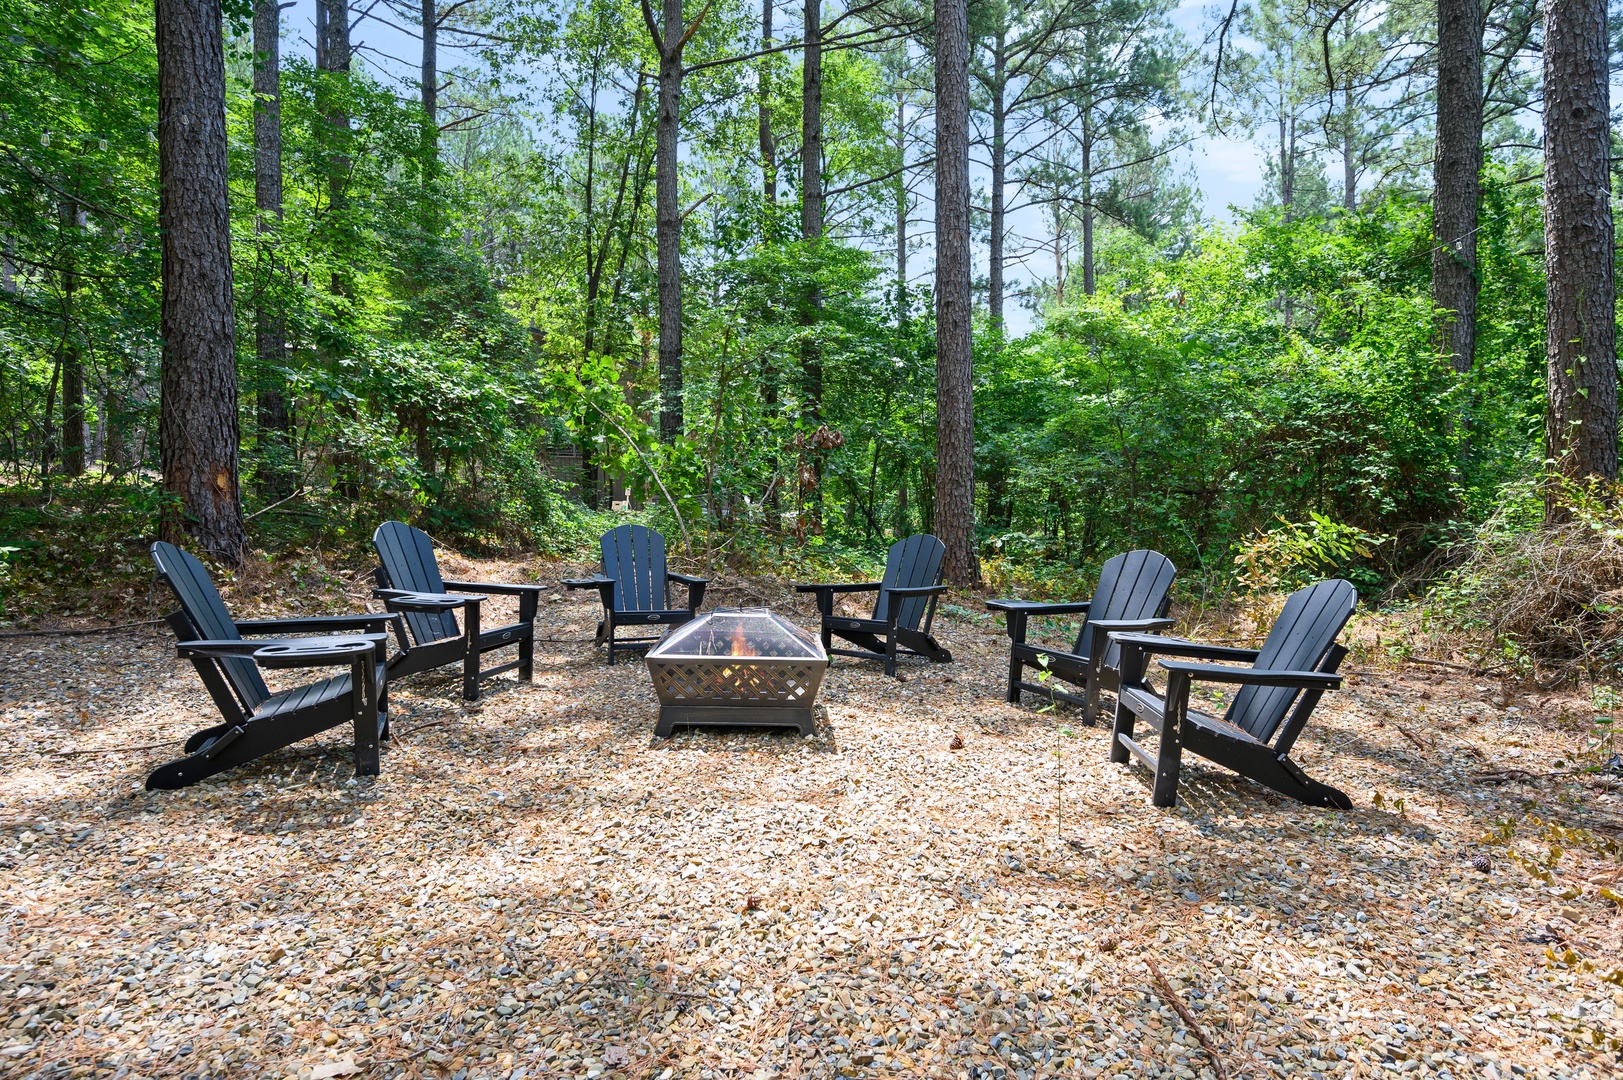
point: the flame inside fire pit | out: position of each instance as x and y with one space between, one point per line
740 643
737 666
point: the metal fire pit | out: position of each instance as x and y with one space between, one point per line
744 667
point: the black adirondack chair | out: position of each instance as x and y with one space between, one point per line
1295 666
903 612
635 587
409 583
257 721
1133 594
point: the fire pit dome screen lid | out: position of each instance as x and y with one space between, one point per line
740 632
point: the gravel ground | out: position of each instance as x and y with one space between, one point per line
536 887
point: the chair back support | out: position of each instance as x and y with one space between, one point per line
634 556
909 564
1299 641
206 613
407 557
1136 585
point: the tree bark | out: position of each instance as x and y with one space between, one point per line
1457 178
429 151
1349 153
197 428
72 356
668 224
811 125
273 413
1000 165
1088 282
769 145
1581 424
1059 266
954 510
901 212
811 208
431 74
333 55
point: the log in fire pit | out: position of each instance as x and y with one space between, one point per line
743 667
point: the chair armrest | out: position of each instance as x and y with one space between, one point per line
1311 680
1159 645
695 587
841 587
920 590
426 603
346 646
1033 607
596 582
498 588
322 652
314 623
1121 625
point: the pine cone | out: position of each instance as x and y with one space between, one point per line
1482 864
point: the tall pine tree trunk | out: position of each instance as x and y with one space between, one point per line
668 224
431 73
1349 155
197 426
954 509
901 212
1088 283
333 56
811 205
274 413
429 151
1581 424
72 356
1000 164
769 145
1457 177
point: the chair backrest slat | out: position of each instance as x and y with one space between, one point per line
201 603
1134 585
1299 640
910 564
634 556
407 556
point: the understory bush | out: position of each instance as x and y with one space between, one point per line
1537 596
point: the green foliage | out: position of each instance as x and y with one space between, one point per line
1278 369
80 552
471 339
1290 556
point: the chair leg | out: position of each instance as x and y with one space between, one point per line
890 652
470 659
1122 726
526 658
609 621
1016 670
1169 754
365 697
1090 702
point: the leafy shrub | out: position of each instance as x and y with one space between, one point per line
1290 556
1533 594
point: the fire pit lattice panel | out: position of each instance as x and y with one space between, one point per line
745 667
